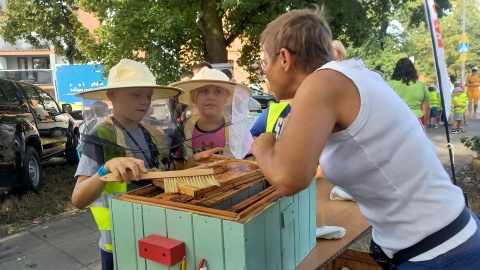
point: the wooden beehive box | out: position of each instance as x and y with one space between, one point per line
243 224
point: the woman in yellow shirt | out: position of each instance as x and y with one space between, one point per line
473 92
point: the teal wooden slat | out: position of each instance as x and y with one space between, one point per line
154 222
122 216
208 238
255 232
304 223
285 202
297 231
112 227
138 221
234 242
313 213
180 227
273 226
288 235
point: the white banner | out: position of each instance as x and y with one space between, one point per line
438 56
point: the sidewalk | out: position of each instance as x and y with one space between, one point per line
63 243
71 241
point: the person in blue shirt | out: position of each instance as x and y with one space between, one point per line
271 119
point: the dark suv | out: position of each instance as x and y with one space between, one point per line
33 128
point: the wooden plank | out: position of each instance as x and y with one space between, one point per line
252 200
186 207
214 200
139 233
154 223
288 236
304 223
273 253
313 214
162 174
227 185
180 227
260 208
297 231
190 191
255 232
257 204
208 238
126 255
234 241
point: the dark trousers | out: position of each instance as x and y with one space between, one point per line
107 260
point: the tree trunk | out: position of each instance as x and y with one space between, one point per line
212 27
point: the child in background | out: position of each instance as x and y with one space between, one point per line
456 110
211 91
432 122
465 100
440 110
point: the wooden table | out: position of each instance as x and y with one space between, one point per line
334 213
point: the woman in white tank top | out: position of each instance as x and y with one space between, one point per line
346 117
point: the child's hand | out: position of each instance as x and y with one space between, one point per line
121 165
204 157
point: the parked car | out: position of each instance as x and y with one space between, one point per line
263 98
33 129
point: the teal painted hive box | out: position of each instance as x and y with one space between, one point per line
243 224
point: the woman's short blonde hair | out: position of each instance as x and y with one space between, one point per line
304 33
340 49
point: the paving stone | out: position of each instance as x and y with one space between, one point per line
86 218
20 244
61 231
45 259
84 249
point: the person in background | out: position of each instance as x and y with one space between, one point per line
452 82
412 91
434 96
198 66
465 100
440 110
186 76
457 110
368 143
473 92
339 50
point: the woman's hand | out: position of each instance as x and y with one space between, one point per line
263 143
206 156
120 167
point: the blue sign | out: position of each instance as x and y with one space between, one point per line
73 79
463 47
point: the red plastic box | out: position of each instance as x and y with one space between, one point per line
161 249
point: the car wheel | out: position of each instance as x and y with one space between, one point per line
270 102
57 132
32 169
71 154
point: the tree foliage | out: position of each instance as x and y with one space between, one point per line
176 33
415 40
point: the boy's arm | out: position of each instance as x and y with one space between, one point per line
88 188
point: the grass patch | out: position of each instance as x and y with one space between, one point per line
53 199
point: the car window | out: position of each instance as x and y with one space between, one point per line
32 94
258 93
48 102
7 91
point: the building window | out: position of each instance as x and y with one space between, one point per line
22 63
41 62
